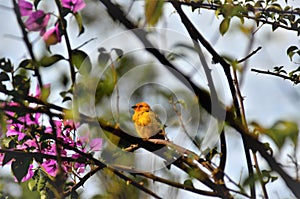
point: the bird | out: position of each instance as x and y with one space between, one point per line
147 123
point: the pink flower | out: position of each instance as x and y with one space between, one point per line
52 36
37 21
16 129
28 144
32 119
38 91
50 166
25 7
73 5
96 144
79 167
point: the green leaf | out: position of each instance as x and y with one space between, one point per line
153 11
21 84
4 77
79 23
275 6
119 52
20 167
67 98
267 177
189 183
227 10
224 26
280 131
45 93
291 51
7 157
32 185
250 180
81 61
27 64
41 184
275 25
5 64
48 61
103 57
36 3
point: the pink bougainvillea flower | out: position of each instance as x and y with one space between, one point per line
96 144
16 130
25 8
50 166
52 36
79 167
37 21
28 144
73 5
12 104
32 119
38 91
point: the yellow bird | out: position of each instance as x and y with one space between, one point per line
146 122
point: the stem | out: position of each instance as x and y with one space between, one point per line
295 81
27 43
164 181
68 44
260 177
242 115
182 124
223 158
226 67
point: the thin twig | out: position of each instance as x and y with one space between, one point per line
242 115
164 181
68 44
82 181
257 168
223 157
226 67
250 55
260 177
182 124
295 81
27 42
246 64
38 155
85 43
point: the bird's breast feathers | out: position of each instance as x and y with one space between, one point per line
142 118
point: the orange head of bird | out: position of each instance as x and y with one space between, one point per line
141 106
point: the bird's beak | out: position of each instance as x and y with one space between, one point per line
134 106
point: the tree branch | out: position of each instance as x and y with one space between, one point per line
164 181
295 81
195 34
